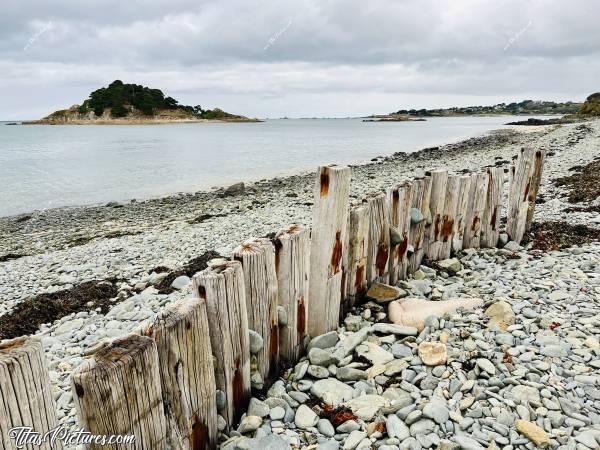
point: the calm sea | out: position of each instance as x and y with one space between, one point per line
49 166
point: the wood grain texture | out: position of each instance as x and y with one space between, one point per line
25 394
221 285
461 212
257 257
399 199
476 208
292 258
518 198
358 245
328 237
378 253
421 190
449 218
536 179
118 391
439 181
181 332
490 227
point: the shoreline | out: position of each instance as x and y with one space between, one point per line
265 188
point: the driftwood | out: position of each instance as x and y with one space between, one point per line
490 226
25 394
221 285
260 279
328 236
439 181
536 179
461 212
118 392
399 199
449 218
187 374
521 174
421 190
477 199
379 239
292 256
412 312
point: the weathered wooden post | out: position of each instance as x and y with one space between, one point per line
449 218
25 394
518 197
490 227
118 392
222 286
421 191
399 199
536 179
187 374
439 181
462 212
477 199
292 257
358 246
379 239
328 236
260 278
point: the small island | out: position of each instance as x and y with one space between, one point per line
125 104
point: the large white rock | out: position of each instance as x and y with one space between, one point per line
332 391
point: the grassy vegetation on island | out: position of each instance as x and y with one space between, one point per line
525 107
134 103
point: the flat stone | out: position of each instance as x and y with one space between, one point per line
367 406
374 353
390 328
437 409
249 424
305 417
501 315
258 408
324 340
320 357
451 265
486 365
532 432
396 428
332 391
467 443
256 342
181 282
350 374
433 353
383 293
325 428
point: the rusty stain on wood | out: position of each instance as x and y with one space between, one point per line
382 258
436 227
202 292
336 255
238 392
199 434
78 389
447 226
475 224
493 219
324 182
278 246
301 320
274 349
403 246
527 187
360 277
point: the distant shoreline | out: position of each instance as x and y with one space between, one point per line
136 121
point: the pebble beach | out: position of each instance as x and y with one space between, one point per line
520 372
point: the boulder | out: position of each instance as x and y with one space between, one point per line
413 311
501 315
532 432
383 293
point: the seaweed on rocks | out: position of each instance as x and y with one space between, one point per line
28 315
10 256
584 184
192 267
549 236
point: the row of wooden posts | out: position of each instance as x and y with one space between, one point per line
161 384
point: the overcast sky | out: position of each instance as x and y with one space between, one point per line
300 58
